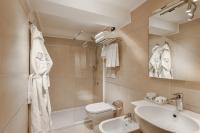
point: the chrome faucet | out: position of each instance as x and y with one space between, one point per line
179 101
129 116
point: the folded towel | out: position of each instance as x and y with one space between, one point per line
160 100
151 95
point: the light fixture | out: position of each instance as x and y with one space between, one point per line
190 14
195 0
190 19
188 11
191 9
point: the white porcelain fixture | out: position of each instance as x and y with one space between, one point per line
118 125
156 119
98 112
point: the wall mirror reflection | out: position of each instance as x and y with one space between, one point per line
174 41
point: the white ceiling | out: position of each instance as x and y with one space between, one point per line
66 18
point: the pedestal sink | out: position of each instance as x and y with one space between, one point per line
157 119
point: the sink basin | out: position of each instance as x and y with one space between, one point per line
157 119
118 125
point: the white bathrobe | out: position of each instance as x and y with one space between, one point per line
38 94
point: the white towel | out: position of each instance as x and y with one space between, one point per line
115 55
111 54
104 52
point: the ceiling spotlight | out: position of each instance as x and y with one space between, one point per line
188 10
190 14
191 9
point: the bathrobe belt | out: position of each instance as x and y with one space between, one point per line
45 84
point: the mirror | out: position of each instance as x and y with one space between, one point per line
174 41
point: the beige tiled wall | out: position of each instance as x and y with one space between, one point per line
73 74
14 67
98 90
132 80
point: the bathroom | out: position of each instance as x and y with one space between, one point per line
79 77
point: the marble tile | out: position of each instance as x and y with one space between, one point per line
73 73
81 128
14 67
69 117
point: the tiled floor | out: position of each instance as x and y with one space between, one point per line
80 128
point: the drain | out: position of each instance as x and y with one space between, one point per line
174 115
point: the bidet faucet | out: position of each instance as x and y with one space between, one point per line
130 116
179 101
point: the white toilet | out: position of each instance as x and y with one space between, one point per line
98 112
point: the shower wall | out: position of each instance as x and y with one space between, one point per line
14 66
73 76
98 90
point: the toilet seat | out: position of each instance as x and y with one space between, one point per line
99 107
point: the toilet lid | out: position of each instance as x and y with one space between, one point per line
98 107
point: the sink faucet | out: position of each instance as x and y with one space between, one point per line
179 101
